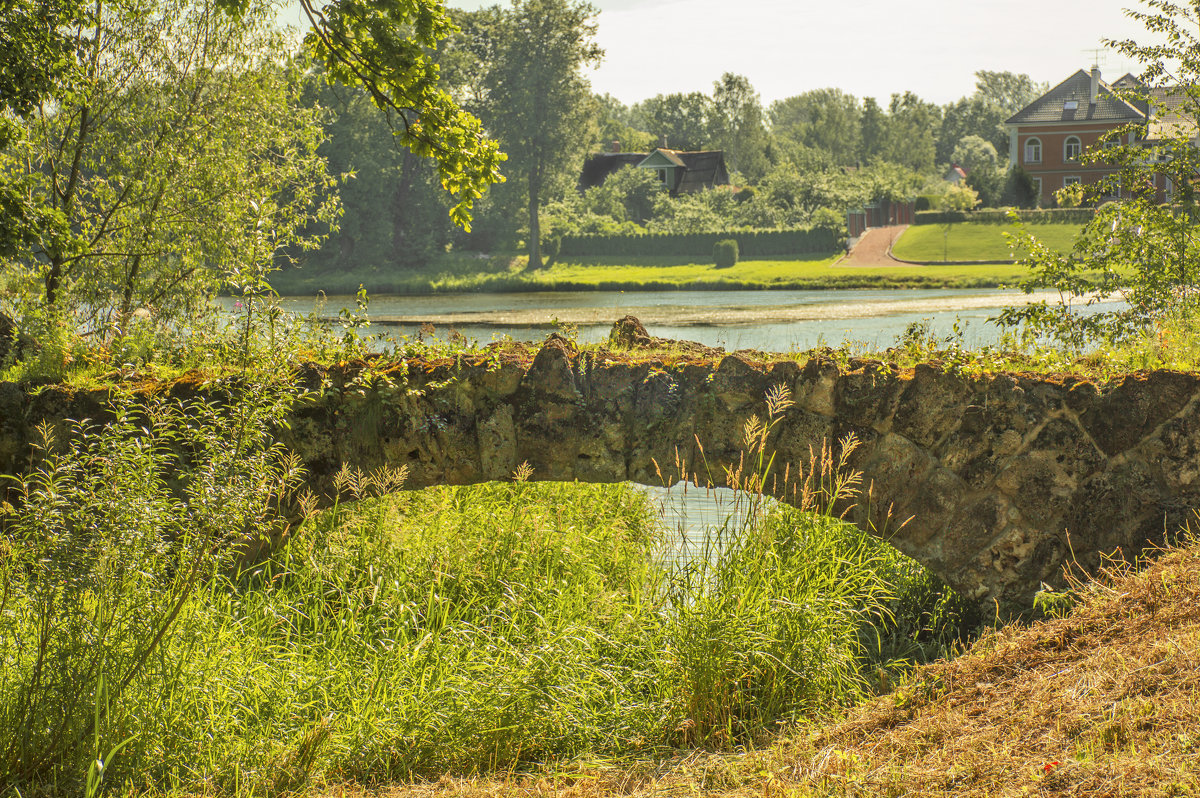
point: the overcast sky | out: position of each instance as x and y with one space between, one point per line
869 48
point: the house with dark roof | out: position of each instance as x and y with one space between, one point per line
1047 136
680 172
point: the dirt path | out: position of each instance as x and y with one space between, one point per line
873 248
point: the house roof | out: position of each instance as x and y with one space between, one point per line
705 169
1070 101
597 168
655 158
701 169
1171 118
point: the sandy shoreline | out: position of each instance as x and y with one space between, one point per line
681 316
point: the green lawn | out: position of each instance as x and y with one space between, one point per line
930 243
462 273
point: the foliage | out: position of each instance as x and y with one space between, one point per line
725 253
624 202
960 198
997 96
682 120
106 560
1075 216
1135 247
386 48
170 172
827 120
1019 189
616 123
539 104
737 126
751 243
394 208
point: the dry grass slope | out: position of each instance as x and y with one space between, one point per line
1102 702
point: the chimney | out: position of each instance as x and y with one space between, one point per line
616 146
662 141
1095 95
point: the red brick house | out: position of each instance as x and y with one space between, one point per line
1047 136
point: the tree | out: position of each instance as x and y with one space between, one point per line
973 153
1146 249
178 149
682 120
394 208
387 47
539 104
37 54
616 124
998 95
912 126
737 126
874 130
828 120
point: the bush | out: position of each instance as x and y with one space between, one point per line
725 253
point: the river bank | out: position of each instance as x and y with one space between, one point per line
458 273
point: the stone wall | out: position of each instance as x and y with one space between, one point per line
1002 477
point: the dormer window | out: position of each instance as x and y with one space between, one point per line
1033 150
1072 148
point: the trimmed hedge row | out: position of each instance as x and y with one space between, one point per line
1042 216
751 244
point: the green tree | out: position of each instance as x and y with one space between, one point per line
828 120
998 95
737 126
910 138
874 131
170 170
539 103
394 209
616 124
681 119
1147 250
388 48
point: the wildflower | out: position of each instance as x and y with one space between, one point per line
1049 766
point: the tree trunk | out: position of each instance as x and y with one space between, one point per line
535 228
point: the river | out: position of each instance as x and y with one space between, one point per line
775 321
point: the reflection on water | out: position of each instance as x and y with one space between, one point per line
691 515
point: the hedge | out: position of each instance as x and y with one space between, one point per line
1043 216
751 244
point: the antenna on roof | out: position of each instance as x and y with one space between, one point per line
1099 55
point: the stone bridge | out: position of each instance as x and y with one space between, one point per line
1002 478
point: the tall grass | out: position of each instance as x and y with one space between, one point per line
391 637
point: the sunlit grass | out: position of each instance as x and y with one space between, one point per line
461 274
964 241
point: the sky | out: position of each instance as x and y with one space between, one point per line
868 48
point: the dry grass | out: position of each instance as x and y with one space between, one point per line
1102 702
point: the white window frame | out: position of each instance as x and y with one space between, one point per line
1071 180
1030 144
1078 146
1037 184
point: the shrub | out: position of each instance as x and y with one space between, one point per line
725 253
